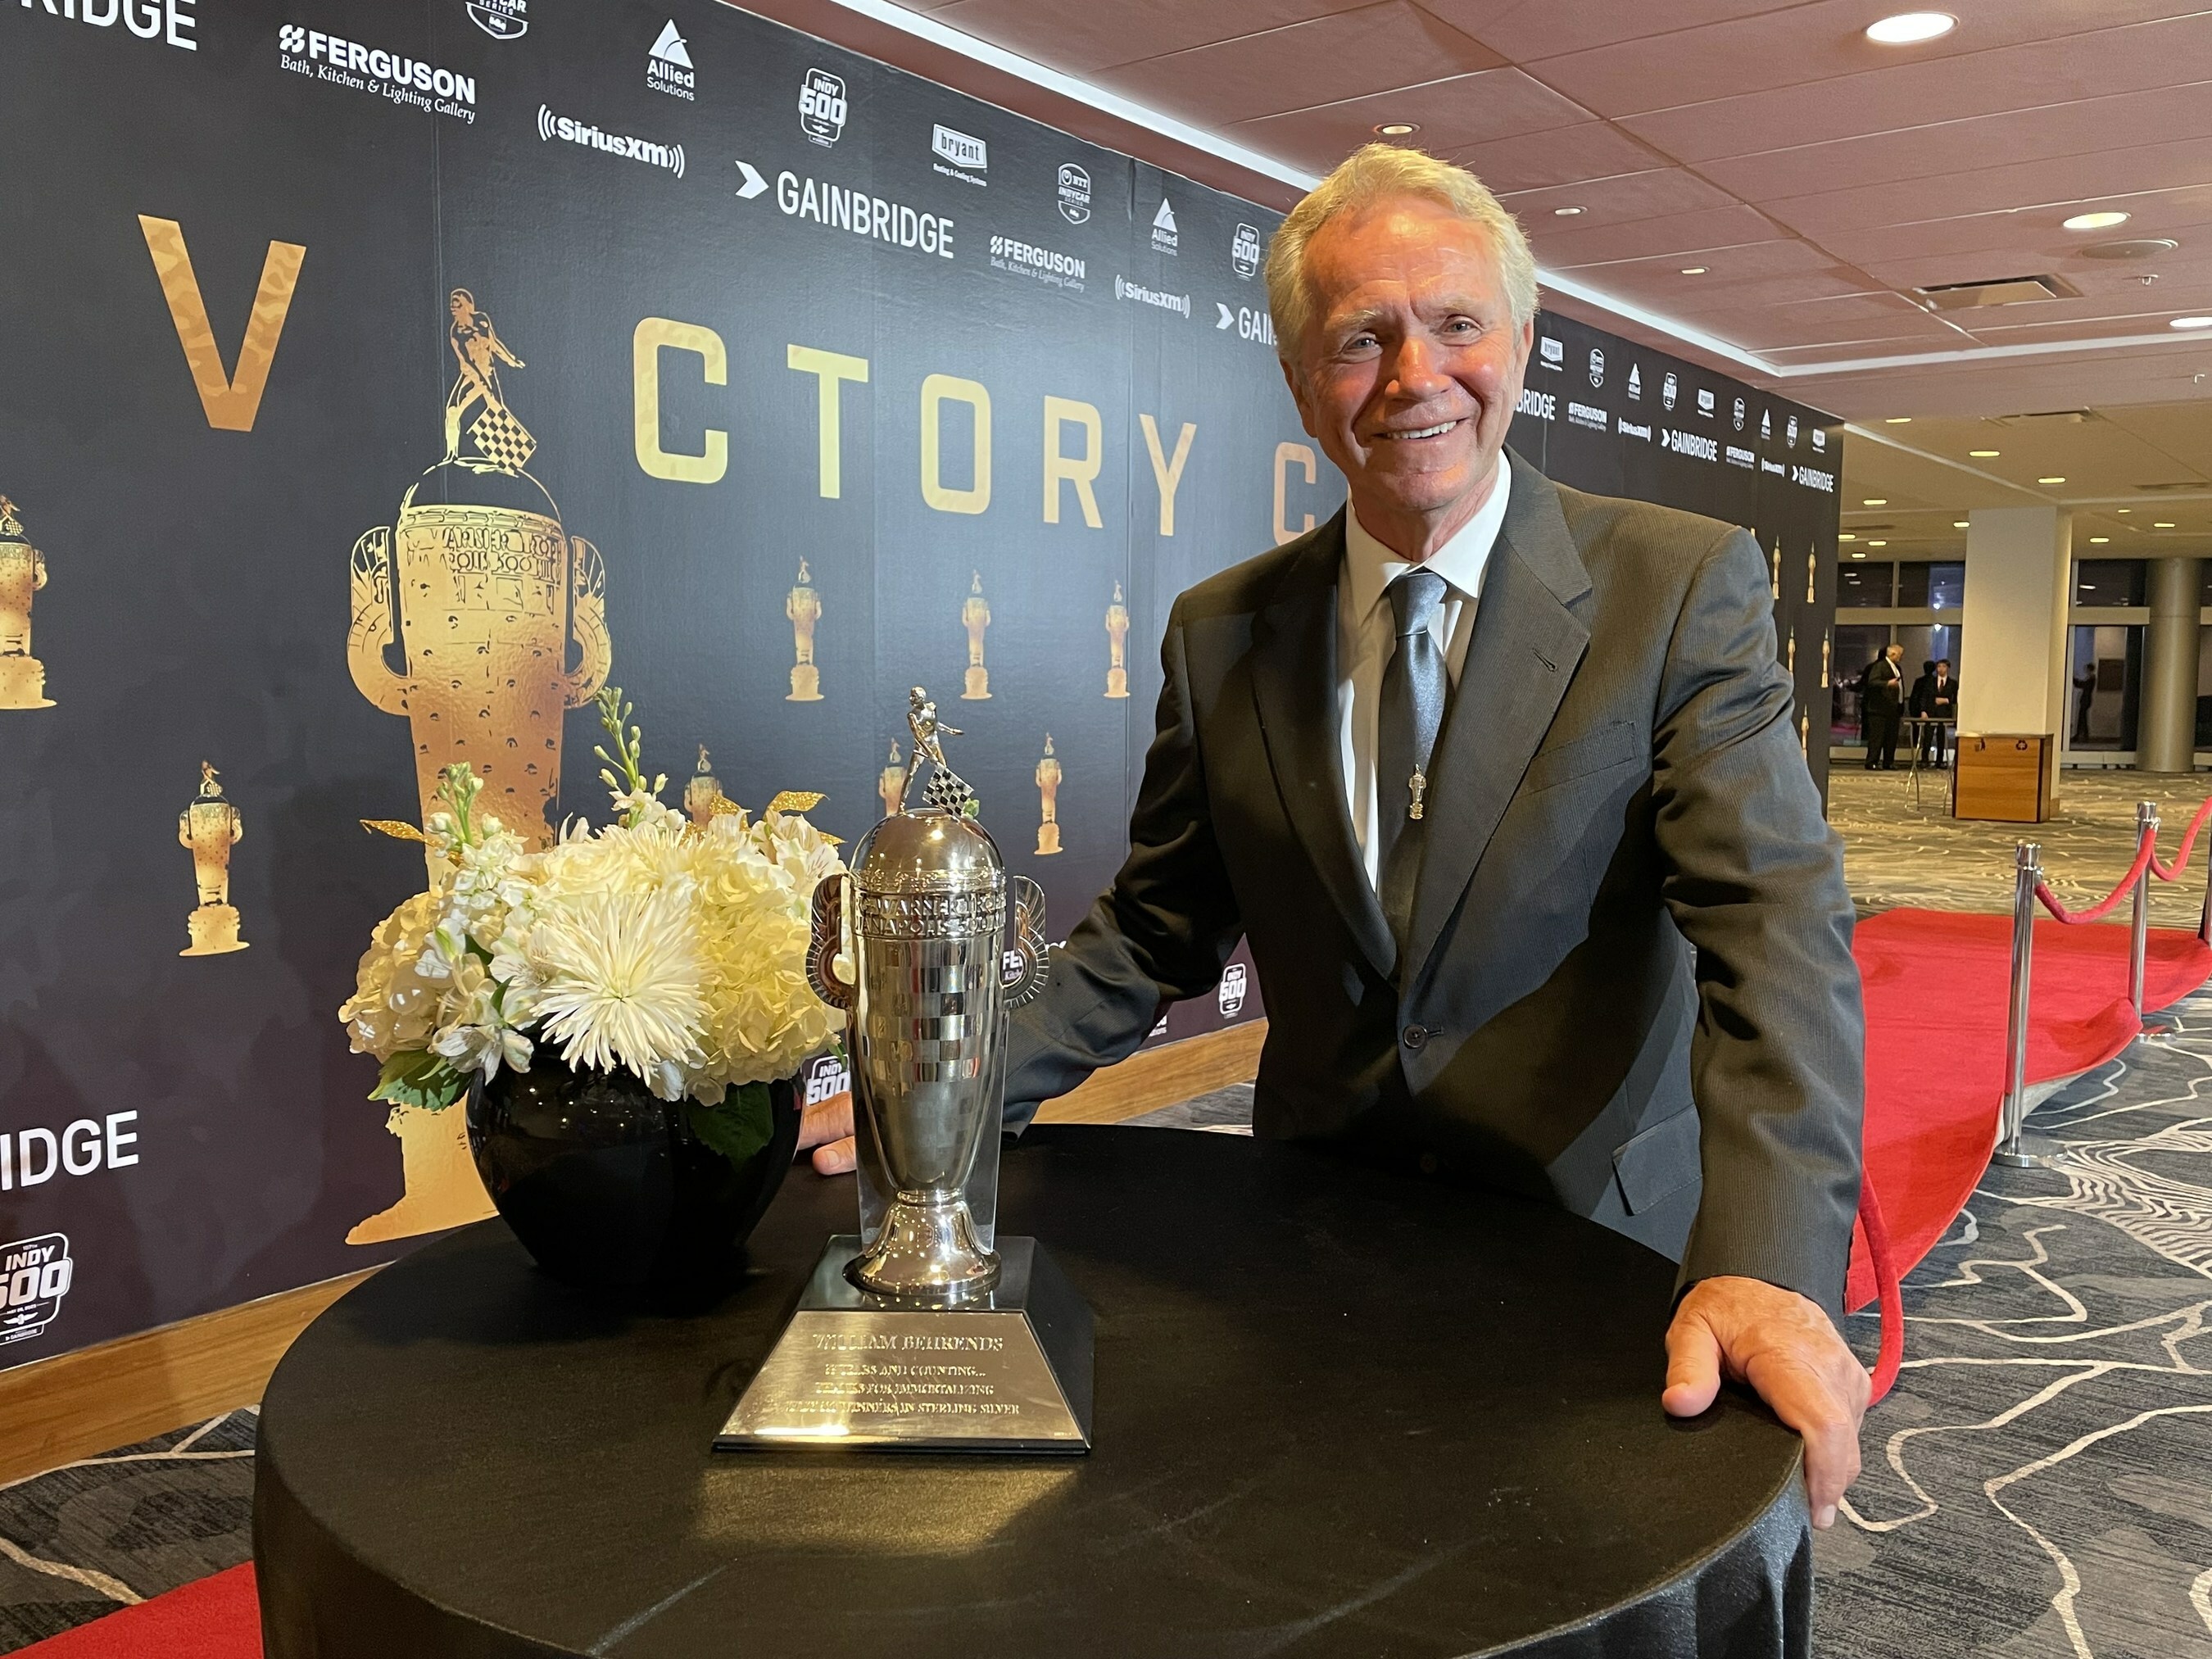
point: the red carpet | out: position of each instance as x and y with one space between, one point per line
1936 988
217 1617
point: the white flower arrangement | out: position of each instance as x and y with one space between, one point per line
653 945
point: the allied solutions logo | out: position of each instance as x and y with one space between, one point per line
669 158
502 20
143 18
821 107
1164 228
1074 194
390 74
959 155
1245 252
35 1274
1635 383
668 65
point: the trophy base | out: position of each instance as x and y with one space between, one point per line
23 684
805 683
1047 840
213 928
926 1254
976 687
1117 682
1009 1373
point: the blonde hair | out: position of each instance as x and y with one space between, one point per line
1373 173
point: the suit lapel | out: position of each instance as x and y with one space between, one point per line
1294 677
1528 641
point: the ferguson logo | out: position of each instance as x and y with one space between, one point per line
395 76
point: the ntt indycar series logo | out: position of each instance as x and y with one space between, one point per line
1047 265
669 158
35 1274
392 75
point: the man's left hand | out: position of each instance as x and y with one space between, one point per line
1779 1342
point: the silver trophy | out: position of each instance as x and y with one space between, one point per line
934 971
941 943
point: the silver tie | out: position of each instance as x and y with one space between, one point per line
1414 686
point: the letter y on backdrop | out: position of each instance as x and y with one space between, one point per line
231 401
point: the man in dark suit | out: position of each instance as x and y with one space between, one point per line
1882 708
1935 702
1500 780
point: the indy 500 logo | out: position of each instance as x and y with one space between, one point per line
35 1276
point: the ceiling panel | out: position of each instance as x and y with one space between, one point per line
1684 234
1621 199
1452 114
1594 150
1079 39
1526 30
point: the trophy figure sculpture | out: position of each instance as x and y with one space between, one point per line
975 616
1827 654
1789 651
1047 783
1776 559
943 943
803 606
497 613
701 793
23 573
210 827
890 782
1812 576
1117 645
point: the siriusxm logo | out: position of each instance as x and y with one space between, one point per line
669 158
35 1274
1074 194
1551 353
668 65
959 155
822 107
502 20
391 75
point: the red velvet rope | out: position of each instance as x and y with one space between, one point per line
2104 906
2172 872
1891 1297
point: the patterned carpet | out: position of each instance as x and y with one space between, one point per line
2038 1486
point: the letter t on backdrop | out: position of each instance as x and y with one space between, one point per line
231 401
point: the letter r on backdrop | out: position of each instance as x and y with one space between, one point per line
1079 470
232 401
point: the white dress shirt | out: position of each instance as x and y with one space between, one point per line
1366 639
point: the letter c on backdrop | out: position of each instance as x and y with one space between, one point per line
655 335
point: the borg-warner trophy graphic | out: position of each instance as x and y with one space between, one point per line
890 782
702 793
498 614
23 573
1117 645
210 826
803 605
1047 783
975 618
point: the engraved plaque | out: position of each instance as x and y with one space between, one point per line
1008 1372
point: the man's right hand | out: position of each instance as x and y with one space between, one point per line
826 1129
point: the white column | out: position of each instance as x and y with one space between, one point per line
2020 579
2165 727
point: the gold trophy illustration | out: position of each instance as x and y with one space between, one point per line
1812 575
975 616
1828 653
23 573
1047 783
1117 644
803 606
1789 652
890 782
210 827
498 614
701 793
1777 562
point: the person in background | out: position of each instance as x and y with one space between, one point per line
1935 703
1884 704
2085 691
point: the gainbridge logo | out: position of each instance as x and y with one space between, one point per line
667 157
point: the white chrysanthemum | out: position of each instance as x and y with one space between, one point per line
619 982
394 1005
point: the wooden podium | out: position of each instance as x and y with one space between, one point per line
2003 776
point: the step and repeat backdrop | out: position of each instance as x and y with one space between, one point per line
381 381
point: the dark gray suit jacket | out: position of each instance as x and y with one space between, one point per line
1628 902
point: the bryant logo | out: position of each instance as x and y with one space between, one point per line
1820 437
1074 194
1596 366
1739 413
1707 402
1552 353
1244 251
502 20
1164 237
822 107
668 65
1667 390
35 1276
1232 988
959 155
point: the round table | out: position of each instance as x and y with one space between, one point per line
1340 1411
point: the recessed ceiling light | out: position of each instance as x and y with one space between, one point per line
2124 509
1693 271
2190 322
2160 524
1909 28
1877 544
1847 538
1407 129
2099 541
1897 420
1565 213
1876 501
1856 554
1958 524
2051 481
2104 220
1984 454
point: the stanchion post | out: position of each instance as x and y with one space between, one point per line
2146 827
2012 1147
2204 917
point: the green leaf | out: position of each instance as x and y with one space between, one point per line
739 1125
416 1077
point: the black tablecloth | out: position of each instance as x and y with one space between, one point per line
1339 1412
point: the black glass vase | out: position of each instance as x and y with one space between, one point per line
608 1187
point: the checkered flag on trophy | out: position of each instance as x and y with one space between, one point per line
502 440
948 790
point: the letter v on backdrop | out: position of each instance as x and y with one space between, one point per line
231 400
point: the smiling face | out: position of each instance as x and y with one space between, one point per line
1410 369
